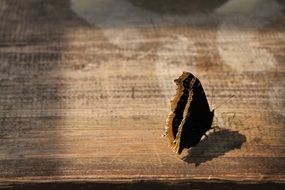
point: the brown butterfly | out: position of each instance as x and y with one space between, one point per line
190 116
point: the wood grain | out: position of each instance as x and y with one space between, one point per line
85 97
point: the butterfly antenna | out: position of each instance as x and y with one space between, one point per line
224 102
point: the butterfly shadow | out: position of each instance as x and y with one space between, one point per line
214 146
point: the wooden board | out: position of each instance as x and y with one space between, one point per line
85 90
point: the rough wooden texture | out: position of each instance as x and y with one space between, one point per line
85 89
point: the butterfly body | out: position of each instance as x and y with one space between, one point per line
190 116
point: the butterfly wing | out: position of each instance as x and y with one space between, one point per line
198 120
177 107
190 116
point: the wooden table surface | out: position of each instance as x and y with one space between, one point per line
85 89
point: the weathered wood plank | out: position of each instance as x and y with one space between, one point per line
85 90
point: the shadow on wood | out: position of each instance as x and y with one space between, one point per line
142 185
179 6
217 144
